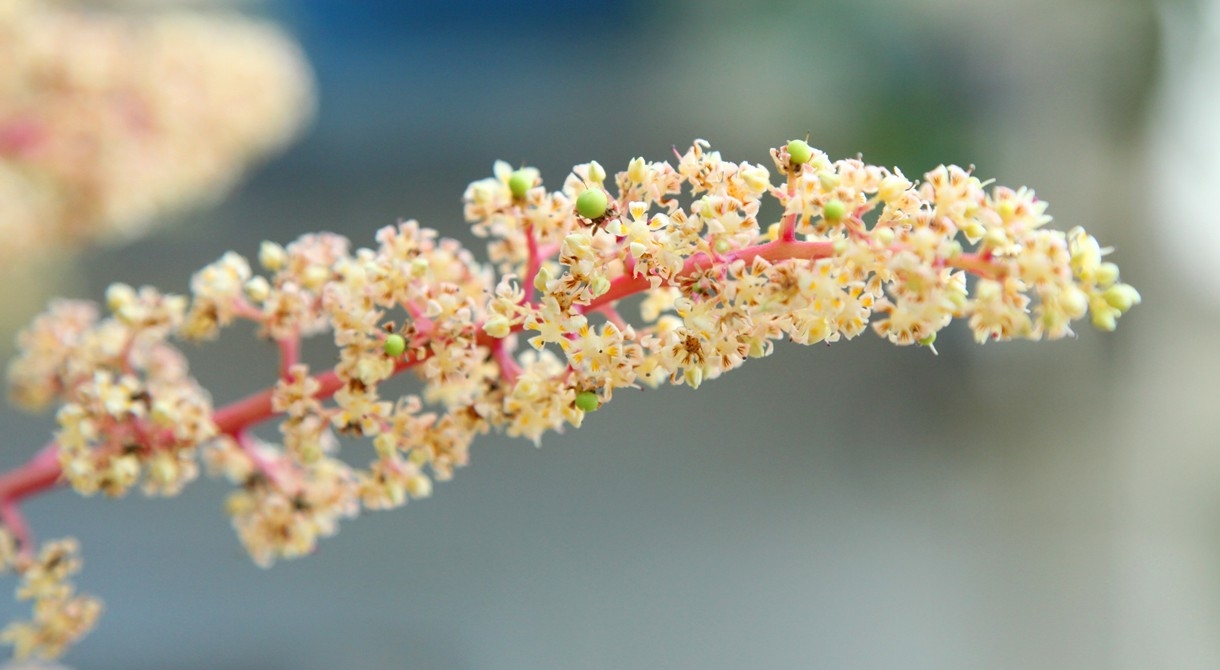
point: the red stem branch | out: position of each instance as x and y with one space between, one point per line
532 264
290 354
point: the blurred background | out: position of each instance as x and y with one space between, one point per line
1044 505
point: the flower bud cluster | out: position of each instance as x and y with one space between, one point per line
108 120
60 615
857 245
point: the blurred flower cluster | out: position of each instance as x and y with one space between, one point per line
61 616
109 120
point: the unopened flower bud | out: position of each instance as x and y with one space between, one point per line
637 170
891 187
419 486
542 278
1074 302
995 239
497 326
119 296
258 289
597 173
599 285
272 256
1107 274
315 276
1121 297
756 177
1105 320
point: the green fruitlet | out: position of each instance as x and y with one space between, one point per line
519 184
834 209
799 151
586 401
394 345
592 203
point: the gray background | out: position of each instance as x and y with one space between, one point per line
1051 505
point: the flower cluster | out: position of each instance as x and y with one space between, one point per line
856 245
109 119
129 411
60 615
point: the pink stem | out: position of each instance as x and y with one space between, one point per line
977 264
290 354
38 474
787 225
507 362
264 465
532 264
627 285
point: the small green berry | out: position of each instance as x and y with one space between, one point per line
834 209
519 184
586 401
799 151
929 342
394 345
592 203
